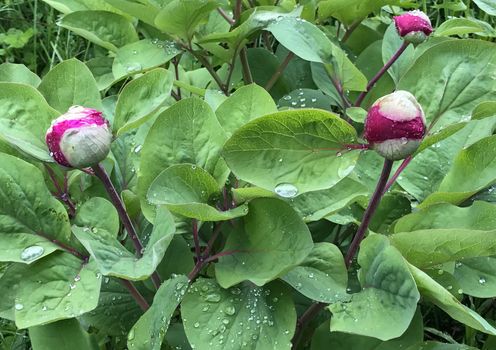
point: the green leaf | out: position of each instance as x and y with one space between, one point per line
70 83
148 333
98 213
348 11
141 56
432 345
187 132
308 42
113 259
385 306
186 189
272 240
477 276
484 110
18 73
68 6
323 339
24 119
390 45
322 276
30 217
101 69
451 78
117 311
316 205
488 6
247 103
433 139
302 150
66 334
439 296
107 29
458 26
57 287
181 18
142 10
473 169
244 316
141 98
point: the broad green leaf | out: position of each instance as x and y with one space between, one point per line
451 78
148 333
180 18
141 98
57 287
439 296
390 45
432 345
306 98
484 110
187 132
313 206
101 69
117 311
308 42
458 26
68 6
321 78
186 189
66 334
242 317
247 103
113 259
477 276
25 117
271 241
385 306
488 6
473 169
144 11
107 29
324 340
141 56
446 132
178 259
30 217
348 11
391 208
98 213
322 276
428 169
18 73
292 152
70 83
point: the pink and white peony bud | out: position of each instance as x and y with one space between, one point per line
395 125
79 138
414 26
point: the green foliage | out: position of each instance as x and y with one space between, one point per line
240 176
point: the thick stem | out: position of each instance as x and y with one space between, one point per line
315 308
140 300
125 219
397 173
369 212
243 55
279 71
381 72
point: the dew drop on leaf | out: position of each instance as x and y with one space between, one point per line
286 190
32 252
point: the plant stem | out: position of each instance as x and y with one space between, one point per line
226 16
397 173
62 193
369 212
196 240
279 71
175 62
381 72
209 68
140 300
339 88
243 55
350 31
315 308
125 219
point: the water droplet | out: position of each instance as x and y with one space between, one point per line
460 291
230 310
32 252
133 67
130 336
212 298
18 306
286 190
404 140
196 325
287 98
482 280
138 148
135 52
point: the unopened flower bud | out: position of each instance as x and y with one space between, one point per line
79 138
414 26
395 125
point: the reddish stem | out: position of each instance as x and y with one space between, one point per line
397 173
140 300
381 72
196 240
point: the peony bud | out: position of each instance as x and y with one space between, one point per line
79 138
395 125
413 26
